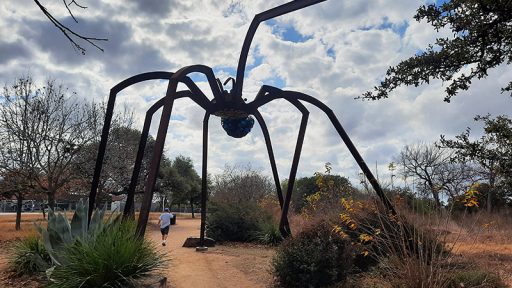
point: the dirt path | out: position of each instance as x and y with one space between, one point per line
221 266
494 257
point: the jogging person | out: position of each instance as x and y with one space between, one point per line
165 223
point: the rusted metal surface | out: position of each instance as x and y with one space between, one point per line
224 104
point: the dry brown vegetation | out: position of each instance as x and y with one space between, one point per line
486 241
481 241
8 235
477 242
7 224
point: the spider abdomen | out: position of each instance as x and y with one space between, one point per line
237 127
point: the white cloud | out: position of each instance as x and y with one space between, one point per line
349 46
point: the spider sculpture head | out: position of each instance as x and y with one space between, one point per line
232 110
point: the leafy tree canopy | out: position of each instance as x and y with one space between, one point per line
181 179
492 151
307 186
482 31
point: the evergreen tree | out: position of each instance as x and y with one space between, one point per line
482 39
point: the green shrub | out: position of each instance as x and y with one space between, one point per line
234 222
314 258
269 234
475 278
29 256
114 258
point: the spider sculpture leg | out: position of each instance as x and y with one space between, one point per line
106 127
284 226
283 223
197 97
161 135
271 157
108 119
272 93
204 180
263 16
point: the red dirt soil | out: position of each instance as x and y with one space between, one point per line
220 266
240 265
233 265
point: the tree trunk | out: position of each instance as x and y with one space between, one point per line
435 194
437 200
43 206
489 193
51 199
192 208
19 205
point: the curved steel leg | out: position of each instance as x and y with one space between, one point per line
271 157
270 94
204 178
138 160
202 100
275 93
106 127
155 160
273 165
284 227
161 135
263 16
198 98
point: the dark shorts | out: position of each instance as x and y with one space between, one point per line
165 230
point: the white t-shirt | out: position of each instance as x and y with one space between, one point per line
165 219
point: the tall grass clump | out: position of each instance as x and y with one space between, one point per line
399 250
317 257
29 256
269 234
114 258
475 278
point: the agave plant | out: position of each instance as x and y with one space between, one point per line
61 232
114 258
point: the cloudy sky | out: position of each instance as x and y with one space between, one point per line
334 51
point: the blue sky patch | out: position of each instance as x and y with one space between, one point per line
177 117
258 60
224 69
287 32
197 77
331 53
151 98
276 82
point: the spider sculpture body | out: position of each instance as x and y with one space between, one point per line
237 120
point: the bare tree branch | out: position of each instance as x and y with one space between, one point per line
70 34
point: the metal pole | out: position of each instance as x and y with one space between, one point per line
155 159
283 224
204 180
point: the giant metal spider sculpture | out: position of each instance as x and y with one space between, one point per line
236 120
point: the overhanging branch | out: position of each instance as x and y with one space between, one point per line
70 34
